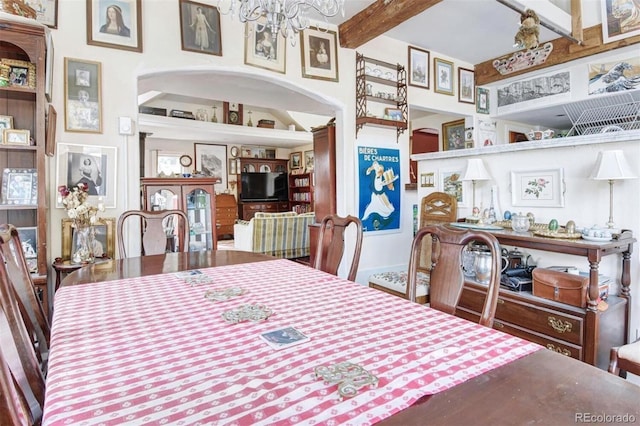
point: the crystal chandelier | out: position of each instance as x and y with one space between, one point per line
288 17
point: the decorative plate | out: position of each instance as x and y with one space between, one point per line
485 227
234 151
185 161
557 234
597 239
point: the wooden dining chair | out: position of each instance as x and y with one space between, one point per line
625 359
157 228
19 355
13 408
33 314
331 244
447 278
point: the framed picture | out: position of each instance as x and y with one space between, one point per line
538 188
319 50
443 76
419 67
50 131
453 135
295 160
82 96
21 73
260 48
211 160
451 184
233 169
46 11
104 238
15 137
466 86
308 160
6 122
200 28
29 240
20 187
115 23
92 165
619 20
482 105
393 114
48 73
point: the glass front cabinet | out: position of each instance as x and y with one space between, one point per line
195 197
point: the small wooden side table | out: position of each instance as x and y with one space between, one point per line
66 266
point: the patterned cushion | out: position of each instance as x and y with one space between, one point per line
283 234
279 214
397 280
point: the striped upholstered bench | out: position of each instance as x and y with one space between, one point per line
395 282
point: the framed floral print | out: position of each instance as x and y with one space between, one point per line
538 188
443 76
419 67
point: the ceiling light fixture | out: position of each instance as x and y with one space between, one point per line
287 17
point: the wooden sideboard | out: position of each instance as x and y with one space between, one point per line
587 333
249 208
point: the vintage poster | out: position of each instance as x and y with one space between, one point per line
379 189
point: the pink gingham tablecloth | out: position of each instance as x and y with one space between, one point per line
154 350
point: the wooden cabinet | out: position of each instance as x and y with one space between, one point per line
195 196
257 165
381 94
585 334
25 104
301 192
226 214
248 209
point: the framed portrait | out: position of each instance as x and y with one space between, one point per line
211 160
104 238
15 137
20 187
260 48
453 135
115 23
21 73
6 122
46 11
308 160
466 86
295 160
482 104
443 76
92 165
29 240
50 131
451 184
538 188
419 67
319 49
200 28
82 96
619 21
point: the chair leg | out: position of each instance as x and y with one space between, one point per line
613 362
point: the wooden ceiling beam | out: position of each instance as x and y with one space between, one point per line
379 18
564 50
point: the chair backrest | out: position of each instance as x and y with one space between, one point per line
18 353
331 244
35 319
436 208
447 278
156 230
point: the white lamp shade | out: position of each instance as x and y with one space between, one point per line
612 165
475 170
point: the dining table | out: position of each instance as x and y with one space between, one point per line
177 339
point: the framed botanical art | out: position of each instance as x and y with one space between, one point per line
46 11
94 166
319 49
116 24
451 183
466 86
82 96
211 160
295 160
262 50
200 28
482 100
453 134
538 188
104 238
20 187
419 67
443 76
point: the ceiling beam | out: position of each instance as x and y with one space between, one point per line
379 18
564 50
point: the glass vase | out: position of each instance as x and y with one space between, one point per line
82 250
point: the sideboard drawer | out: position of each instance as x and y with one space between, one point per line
564 348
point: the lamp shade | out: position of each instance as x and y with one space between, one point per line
475 170
612 165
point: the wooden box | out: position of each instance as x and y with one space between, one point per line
560 286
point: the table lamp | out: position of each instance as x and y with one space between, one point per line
475 171
612 166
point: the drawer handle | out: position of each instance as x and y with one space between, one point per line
558 349
500 301
559 325
498 325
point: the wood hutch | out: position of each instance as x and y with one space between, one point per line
247 209
25 103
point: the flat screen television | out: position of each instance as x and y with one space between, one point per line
264 187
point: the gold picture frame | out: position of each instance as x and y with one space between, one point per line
443 76
21 73
453 135
295 160
124 34
261 51
82 96
105 235
15 137
6 122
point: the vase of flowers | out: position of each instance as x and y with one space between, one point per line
84 216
